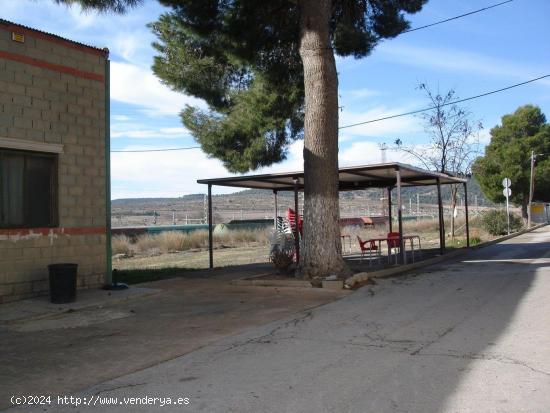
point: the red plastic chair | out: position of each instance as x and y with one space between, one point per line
370 246
291 217
394 245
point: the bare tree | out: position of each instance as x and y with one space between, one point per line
454 140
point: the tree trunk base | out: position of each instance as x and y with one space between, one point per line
338 267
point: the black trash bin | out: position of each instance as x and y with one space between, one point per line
62 282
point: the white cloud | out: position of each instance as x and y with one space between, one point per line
294 161
177 130
173 174
356 94
121 118
455 60
162 174
484 137
345 138
127 44
137 86
123 131
368 152
82 18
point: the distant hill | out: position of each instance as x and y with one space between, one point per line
256 203
428 194
137 201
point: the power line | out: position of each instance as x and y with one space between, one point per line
161 150
375 120
492 92
133 112
457 17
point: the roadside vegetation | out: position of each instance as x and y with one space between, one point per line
176 241
495 222
170 252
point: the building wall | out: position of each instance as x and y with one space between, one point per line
52 92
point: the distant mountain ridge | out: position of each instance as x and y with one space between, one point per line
133 201
427 193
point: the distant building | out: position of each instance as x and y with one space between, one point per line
52 159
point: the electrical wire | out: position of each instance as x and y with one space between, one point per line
132 113
456 17
492 92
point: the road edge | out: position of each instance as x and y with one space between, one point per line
357 280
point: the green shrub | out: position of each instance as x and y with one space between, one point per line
494 222
475 241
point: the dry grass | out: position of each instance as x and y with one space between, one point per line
243 237
197 259
121 244
145 243
189 250
175 241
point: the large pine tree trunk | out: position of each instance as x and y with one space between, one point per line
321 253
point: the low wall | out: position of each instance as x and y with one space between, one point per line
25 255
134 232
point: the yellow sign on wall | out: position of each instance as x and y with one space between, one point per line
18 37
537 208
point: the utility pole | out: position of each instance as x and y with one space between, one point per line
506 182
531 188
383 148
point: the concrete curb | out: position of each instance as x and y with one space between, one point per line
271 283
362 277
507 237
255 281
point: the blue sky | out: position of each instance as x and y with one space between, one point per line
486 51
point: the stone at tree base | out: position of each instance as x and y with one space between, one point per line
356 280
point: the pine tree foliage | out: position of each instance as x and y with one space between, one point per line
509 156
117 6
242 59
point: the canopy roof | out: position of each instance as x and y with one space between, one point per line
350 178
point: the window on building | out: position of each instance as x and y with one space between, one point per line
28 189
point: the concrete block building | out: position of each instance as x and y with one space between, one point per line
53 141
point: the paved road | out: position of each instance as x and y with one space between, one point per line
469 336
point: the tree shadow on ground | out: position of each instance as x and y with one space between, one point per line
458 336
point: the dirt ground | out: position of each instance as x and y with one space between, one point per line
250 254
70 351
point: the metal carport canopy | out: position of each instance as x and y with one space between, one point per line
385 175
350 178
